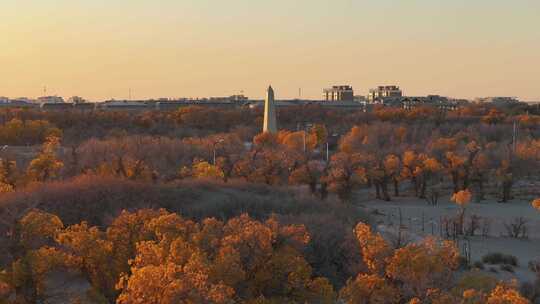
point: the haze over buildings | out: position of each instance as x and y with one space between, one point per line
100 49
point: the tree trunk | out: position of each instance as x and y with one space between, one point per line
324 191
423 189
313 187
455 181
416 186
506 191
384 188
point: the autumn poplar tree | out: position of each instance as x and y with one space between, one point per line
46 165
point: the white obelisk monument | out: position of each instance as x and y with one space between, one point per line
270 124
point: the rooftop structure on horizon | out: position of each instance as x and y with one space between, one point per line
76 100
382 93
339 93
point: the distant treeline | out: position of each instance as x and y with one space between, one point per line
199 121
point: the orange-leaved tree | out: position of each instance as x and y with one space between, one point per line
46 165
216 262
420 267
462 199
536 204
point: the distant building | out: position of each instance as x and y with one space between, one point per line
339 93
50 99
498 100
344 105
85 106
124 105
360 98
76 100
56 106
16 103
436 101
383 93
238 98
23 99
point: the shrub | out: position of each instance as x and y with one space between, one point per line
479 265
463 263
534 265
507 268
498 258
476 280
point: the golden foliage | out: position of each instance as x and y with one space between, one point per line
153 256
8 172
265 140
369 289
392 164
536 204
5 291
320 133
409 158
504 294
431 165
5 188
529 150
454 160
38 227
375 250
420 267
213 262
18 132
206 170
528 121
475 281
46 165
444 144
352 141
438 296
31 270
297 140
462 198
493 117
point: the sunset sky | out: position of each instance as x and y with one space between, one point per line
99 49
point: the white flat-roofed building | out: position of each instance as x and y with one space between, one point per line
50 99
339 93
382 93
76 100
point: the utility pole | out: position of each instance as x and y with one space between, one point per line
514 136
304 140
327 152
214 149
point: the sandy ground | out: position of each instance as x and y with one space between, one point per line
420 219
